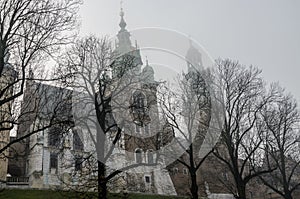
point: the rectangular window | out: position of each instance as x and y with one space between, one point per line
77 142
185 171
175 170
147 179
78 163
53 160
54 137
147 129
225 175
137 128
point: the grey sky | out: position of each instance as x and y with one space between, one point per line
264 33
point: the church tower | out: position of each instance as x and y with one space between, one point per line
124 49
141 139
193 58
198 97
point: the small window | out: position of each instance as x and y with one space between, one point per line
78 163
77 142
139 100
54 137
185 171
147 179
53 160
137 128
138 156
175 170
150 157
225 176
147 129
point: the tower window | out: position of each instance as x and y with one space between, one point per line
150 157
139 108
138 156
185 171
139 100
53 160
175 170
54 137
137 128
147 129
225 176
147 179
78 163
77 142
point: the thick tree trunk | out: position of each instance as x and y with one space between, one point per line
241 191
194 186
288 195
102 183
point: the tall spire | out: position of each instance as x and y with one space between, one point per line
124 44
122 22
147 63
193 57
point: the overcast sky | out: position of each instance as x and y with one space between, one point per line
264 33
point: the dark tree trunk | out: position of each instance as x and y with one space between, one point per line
194 186
102 183
288 195
193 173
241 190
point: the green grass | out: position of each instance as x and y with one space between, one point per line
47 194
29 194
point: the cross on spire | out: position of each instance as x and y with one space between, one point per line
121 6
147 63
122 23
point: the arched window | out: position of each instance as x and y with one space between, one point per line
139 100
185 171
175 170
150 157
138 156
78 163
54 136
137 129
77 142
53 160
147 129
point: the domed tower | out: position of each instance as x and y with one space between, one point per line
148 74
140 140
198 97
193 58
195 68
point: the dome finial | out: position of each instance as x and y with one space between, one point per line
122 23
147 63
121 12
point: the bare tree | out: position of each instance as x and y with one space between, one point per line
97 76
187 111
244 96
31 32
281 122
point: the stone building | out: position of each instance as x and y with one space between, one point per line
53 156
7 77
